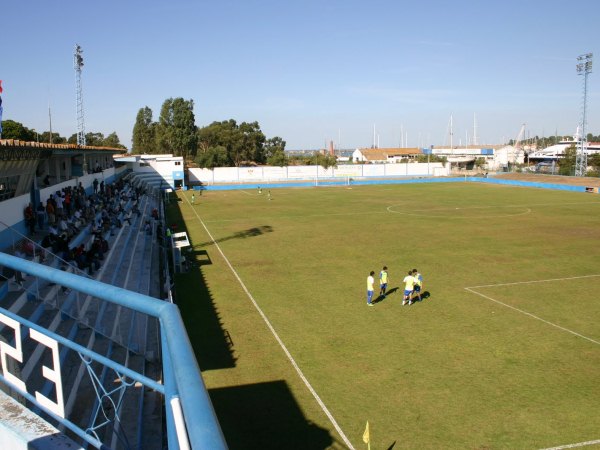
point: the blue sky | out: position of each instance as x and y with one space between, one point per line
308 71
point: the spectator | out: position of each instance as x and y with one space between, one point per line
30 218
59 205
41 215
51 212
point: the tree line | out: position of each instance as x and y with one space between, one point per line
16 130
543 142
225 143
567 162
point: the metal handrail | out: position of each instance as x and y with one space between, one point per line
186 382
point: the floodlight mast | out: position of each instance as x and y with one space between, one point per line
584 67
78 64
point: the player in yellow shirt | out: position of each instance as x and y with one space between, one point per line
418 282
383 281
409 285
370 283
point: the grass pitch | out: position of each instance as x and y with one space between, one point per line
462 369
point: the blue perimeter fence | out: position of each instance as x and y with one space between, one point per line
182 380
359 182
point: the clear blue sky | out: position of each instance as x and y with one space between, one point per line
308 71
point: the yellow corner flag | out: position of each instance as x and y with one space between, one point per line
367 436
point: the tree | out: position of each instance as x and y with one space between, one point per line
176 129
273 145
112 140
56 138
567 162
245 143
213 157
479 162
252 144
144 132
94 139
16 130
277 158
326 161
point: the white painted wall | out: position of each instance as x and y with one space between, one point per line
250 174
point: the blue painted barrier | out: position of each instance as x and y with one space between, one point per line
363 182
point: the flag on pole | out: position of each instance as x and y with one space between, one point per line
367 436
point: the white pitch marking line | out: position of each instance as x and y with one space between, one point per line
277 338
533 281
533 316
578 444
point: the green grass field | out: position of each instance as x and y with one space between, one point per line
462 369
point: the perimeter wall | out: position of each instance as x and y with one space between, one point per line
295 173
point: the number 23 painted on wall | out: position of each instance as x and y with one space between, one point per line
51 374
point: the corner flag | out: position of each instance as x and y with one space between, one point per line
367 436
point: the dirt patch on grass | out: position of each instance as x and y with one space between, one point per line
554 179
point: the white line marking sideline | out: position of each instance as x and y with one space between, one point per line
578 444
277 338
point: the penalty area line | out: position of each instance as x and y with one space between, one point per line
578 444
277 338
532 316
533 281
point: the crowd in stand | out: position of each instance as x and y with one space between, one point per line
68 211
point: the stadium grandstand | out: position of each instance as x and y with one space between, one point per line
94 353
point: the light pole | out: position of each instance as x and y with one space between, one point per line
584 67
78 65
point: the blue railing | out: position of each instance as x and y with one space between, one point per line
183 385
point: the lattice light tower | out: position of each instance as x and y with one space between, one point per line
584 67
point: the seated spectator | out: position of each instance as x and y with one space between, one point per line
50 211
127 217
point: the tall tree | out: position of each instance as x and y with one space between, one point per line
144 132
176 130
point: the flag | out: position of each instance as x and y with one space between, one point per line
0 86
366 435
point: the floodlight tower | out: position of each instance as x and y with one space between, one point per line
78 64
584 67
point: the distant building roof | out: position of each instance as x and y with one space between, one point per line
470 147
383 154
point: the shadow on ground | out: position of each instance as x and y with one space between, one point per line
211 342
266 416
250 232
